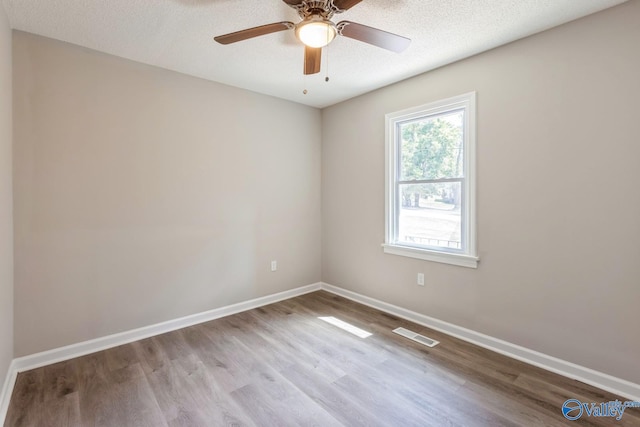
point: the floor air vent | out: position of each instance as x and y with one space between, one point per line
416 337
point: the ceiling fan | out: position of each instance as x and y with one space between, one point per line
316 30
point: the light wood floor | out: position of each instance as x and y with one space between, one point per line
280 365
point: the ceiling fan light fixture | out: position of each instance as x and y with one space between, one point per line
316 31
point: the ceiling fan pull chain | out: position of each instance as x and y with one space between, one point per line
326 55
326 60
304 84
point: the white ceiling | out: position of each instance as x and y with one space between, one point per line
178 35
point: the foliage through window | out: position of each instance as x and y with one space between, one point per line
430 181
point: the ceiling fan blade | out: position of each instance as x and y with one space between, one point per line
373 36
312 57
345 4
253 32
293 2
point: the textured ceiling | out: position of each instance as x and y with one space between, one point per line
178 35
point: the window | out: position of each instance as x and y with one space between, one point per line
430 192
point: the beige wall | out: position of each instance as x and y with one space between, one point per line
6 200
143 195
559 211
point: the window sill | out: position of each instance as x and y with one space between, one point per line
443 257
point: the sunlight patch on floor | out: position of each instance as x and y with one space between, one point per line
346 326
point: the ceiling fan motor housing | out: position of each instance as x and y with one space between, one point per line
324 8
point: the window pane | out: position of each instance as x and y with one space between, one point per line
430 215
431 147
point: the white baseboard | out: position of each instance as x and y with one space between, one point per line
597 379
80 349
60 354
7 389
601 380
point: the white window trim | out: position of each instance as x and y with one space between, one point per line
470 258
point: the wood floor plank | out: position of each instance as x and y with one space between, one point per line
507 406
385 403
59 380
292 410
93 385
189 395
27 400
174 344
278 393
151 354
343 407
279 350
65 410
282 365
128 401
120 357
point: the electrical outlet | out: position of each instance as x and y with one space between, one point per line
421 279
274 265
